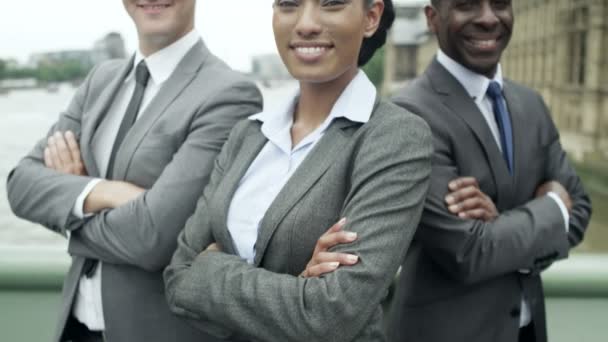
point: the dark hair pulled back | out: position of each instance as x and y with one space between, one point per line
373 43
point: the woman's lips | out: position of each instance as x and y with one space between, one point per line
310 53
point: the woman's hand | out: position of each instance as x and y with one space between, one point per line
323 261
214 247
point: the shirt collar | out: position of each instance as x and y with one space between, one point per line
162 63
475 84
356 103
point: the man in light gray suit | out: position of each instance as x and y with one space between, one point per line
504 202
120 171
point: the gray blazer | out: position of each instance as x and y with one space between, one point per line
375 175
170 152
460 280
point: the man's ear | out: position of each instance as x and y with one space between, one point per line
374 14
432 16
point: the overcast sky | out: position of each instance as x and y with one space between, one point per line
234 30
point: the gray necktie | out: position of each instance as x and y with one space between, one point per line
142 75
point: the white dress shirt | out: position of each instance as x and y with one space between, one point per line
278 159
88 307
476 86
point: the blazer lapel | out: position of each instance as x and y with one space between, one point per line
251 146
458 101
97 113
171 89
312 168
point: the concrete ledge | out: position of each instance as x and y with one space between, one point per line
31 280
32 268
35 269
581 275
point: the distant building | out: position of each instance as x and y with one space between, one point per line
559 48
401 51
111 46
269 67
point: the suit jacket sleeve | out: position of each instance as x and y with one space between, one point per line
389 181
559 168
143 232
525 237
43 195
204 237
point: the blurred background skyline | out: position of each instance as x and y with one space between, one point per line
234 30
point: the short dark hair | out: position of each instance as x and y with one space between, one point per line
373 43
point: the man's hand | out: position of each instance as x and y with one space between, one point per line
323 261
63 154
557 188
109 195
468 202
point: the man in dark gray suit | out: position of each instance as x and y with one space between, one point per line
121 170
504 202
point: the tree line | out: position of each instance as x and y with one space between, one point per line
63 71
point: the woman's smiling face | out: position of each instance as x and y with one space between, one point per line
319 40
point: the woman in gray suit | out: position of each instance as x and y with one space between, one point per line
332 150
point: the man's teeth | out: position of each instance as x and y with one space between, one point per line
484 43
154 6
311 50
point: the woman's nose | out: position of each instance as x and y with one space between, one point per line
308 23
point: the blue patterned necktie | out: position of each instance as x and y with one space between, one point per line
503 120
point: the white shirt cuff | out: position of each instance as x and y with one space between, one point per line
562 208
78 209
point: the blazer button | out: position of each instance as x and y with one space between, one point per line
515 312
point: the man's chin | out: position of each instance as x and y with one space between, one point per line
159 36
483 65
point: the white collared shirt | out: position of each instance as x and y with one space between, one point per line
476 86
278 159
88 307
